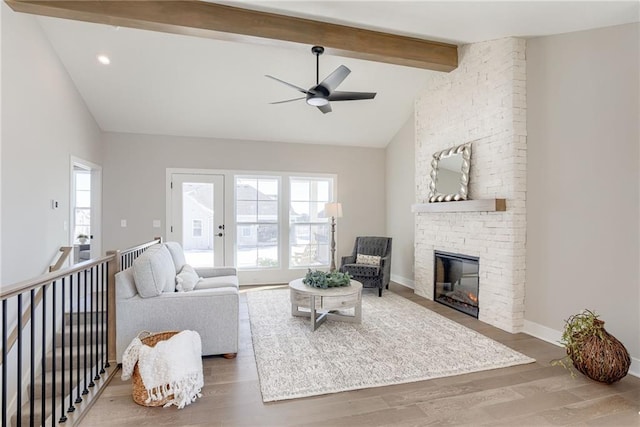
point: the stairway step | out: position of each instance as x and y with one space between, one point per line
58 356
58 383
91 338
73 318
61 408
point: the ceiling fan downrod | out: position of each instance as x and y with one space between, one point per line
317 51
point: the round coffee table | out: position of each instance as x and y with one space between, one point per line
321 301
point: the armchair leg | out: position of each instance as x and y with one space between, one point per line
379 292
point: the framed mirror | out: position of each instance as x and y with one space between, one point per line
450 174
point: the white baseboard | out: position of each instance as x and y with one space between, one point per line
552 336
403 281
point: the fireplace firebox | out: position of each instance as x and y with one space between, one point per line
456 282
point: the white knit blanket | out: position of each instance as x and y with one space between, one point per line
171 367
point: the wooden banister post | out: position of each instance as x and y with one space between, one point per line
113 267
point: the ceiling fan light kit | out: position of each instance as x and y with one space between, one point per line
323 92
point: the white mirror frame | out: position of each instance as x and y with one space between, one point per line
434 195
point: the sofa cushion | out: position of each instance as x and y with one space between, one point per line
218 282
177 254
125 284
187 279
154 272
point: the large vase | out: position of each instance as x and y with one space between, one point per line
600 356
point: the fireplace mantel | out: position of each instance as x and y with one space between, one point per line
482 205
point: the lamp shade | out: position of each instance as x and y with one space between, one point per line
333 209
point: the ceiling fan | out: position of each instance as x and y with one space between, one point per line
325 91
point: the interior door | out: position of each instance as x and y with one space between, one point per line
197 218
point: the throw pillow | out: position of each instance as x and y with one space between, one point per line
187 279
368 259
153 271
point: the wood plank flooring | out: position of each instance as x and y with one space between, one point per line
536 394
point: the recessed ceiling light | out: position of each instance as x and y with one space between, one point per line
104 59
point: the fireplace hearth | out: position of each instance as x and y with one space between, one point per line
457 281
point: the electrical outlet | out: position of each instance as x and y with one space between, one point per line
156 223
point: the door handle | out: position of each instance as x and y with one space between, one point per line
219 234
221 227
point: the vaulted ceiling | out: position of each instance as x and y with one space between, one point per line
161 83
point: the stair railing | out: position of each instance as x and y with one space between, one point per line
65 251
64 351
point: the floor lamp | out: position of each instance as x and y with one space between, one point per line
334 210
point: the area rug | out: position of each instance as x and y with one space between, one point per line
397 342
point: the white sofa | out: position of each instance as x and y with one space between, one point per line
147 300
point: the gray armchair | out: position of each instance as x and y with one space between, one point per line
371 276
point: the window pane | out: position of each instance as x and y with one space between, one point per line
300 234
323 191
83 181
267 234
299 190
267 211
247 211
320 233
299 212
246 189
83 199
247 236
267 189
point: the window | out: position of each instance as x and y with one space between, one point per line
197 228
309 235
82 208
257 236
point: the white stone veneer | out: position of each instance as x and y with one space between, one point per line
483 101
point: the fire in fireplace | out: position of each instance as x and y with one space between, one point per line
456 282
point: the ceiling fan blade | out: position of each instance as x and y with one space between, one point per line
288 100
334 79
325 108
351 96
299 89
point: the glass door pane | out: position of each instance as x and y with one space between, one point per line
198 218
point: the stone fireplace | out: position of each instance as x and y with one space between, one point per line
483 101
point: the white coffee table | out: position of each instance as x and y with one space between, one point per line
321 301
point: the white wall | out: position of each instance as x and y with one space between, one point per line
44 122
400 191
583 181
135 168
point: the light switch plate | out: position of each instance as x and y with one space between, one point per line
156 223
123 223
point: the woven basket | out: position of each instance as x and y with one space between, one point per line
601 356
139 392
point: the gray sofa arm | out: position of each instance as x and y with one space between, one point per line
216 271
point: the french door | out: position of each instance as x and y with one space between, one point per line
197 218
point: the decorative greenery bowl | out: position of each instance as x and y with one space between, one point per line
324 280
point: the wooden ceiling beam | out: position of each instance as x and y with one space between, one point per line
204 19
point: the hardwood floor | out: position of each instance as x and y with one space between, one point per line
536 394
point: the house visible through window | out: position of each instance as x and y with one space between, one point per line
197 228
308 226
257 236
